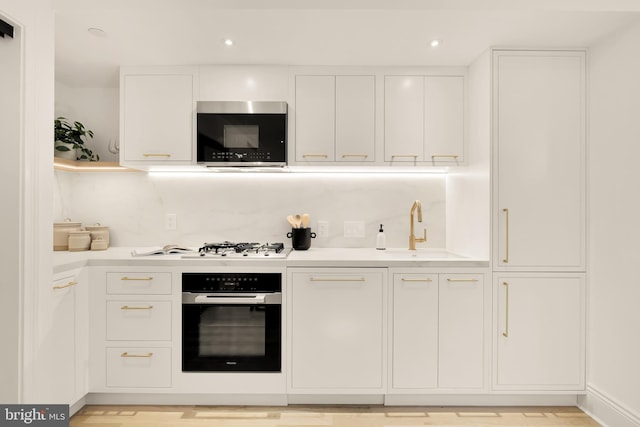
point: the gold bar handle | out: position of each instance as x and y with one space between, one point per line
66 285
414 156
136 278
336 279
426 279
506 257
324 156
156 154
128 307
125 354
344 156
450 156
506 323
462 280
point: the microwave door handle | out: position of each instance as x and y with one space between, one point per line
253 299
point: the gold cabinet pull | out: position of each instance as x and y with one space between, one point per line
426 279
506 323
136 278
506 248
336 279
66 285
125 354
346 155
324 156
128 307
449 156
156 154
462 280
414 156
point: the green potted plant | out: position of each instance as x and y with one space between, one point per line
71 138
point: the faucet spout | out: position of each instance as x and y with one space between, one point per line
416 207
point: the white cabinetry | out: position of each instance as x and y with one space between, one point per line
61 361
133 318
437 332
424 119
335 118
539 331
336 328
157 116
539 160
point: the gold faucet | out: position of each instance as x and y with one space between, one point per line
412 238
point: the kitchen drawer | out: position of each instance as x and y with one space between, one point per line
138 320
139 283
138 367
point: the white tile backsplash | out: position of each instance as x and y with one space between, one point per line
250 206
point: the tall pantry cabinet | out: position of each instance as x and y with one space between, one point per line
538 213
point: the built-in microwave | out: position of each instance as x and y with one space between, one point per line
241 133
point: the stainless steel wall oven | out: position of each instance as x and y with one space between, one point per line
231 322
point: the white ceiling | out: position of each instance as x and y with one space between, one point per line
308 32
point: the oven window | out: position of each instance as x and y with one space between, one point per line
232 331
241 136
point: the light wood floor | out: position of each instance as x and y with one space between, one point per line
320 415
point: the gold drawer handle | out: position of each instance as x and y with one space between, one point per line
136 278
324 156
337 279
506 323
156 154
125 354
344 156
450 156
66 285
426 279
415 156
506 248
462 280
128 307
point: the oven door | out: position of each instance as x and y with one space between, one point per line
231 332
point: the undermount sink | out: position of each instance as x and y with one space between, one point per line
420 253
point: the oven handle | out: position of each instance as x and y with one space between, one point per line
254 299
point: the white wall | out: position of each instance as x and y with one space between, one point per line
614 230
29 265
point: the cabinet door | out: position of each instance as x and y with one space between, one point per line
415 331
539 122
403 118
461 337
355 119
157 118
81 335
444 119
337 329
55 353
540 336
315 118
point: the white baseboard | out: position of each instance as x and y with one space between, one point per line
605 410
186 399
333 399
482 400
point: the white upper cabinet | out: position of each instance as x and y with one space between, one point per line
539 160
335 118
157 116
424 119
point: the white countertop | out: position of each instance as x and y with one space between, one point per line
314 257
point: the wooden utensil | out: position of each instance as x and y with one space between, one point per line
298 220
305 220
292 221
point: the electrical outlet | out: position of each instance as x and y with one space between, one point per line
323 228
354 229
171 222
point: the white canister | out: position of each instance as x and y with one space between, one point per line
61 233
79 241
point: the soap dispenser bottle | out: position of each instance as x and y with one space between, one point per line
381 239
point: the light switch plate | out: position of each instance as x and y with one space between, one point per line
171 221
323 228
354 229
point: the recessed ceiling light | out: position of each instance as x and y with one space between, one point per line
98 32
228 42
435 43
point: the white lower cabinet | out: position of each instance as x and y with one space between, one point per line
132 345
539 341
337 330
437 339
